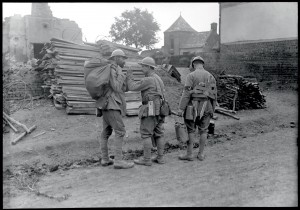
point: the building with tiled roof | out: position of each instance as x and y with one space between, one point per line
180 25
180 38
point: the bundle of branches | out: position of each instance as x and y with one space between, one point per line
236 93
13 76
15 90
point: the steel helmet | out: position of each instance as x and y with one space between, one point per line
117 52
197 58
148 61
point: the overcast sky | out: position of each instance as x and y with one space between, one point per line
95 19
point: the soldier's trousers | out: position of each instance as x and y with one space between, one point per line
112 120
152 126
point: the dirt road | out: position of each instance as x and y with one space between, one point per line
252 162
260 171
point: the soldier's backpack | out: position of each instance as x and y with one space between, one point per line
96 76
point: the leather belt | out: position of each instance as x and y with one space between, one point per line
152 99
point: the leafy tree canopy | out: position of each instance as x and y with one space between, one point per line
136 28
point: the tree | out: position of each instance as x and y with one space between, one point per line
136 28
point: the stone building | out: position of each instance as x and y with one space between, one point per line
260 39
182 39
25 36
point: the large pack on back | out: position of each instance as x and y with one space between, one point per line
96 76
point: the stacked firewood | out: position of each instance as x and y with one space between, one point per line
236 93
62 70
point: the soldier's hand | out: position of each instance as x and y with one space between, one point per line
129 72
119 70
180 112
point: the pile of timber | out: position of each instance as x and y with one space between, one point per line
237 93
108 47
62 70
67 82
172 71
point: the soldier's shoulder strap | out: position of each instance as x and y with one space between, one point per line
212 87
159 87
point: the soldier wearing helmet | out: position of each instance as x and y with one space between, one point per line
119 57
151 121
113 108
200 95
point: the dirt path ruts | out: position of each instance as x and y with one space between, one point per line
259 171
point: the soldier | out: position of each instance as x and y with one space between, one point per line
197 103
113 108
151 122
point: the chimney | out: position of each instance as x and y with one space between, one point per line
41 10
213 27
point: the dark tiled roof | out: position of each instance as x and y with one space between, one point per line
196 40
216 46
180 25
151 52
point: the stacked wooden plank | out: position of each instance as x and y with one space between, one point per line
108 47
236 93
69 73
63 72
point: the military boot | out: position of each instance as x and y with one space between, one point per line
105 160
118 162
160 151
201 157
189 151
145 160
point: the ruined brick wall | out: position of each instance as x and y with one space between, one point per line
41 30
14 39
41 9
20 33
211 61
273 60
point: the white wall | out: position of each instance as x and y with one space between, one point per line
259 21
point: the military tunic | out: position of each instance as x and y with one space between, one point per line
115 96
202 102
151 87
113 105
